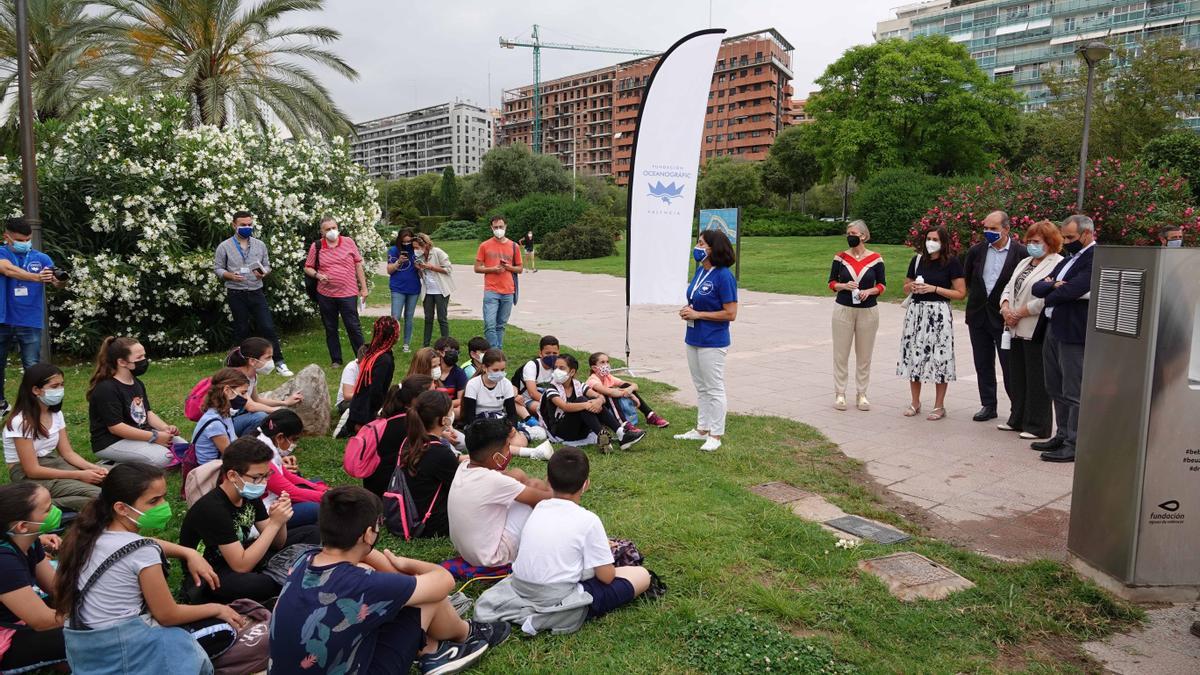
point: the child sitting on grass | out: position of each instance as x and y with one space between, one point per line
476 346
564 572
623 394
572 412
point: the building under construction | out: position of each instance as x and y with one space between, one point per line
589 119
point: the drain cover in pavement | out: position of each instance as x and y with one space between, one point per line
911 576
861 527
780 493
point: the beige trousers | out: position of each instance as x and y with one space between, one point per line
853 327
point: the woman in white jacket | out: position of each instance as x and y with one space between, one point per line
1031 412
437 282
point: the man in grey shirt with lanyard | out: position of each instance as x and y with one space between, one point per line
241 261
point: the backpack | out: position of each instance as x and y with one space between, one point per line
310 283
361 458
400 509
193 405
518 379
200 481
251 650
189 462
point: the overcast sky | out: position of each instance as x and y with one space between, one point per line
415 54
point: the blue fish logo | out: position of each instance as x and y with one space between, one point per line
666 192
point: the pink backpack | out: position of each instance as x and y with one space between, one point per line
362 451
193 405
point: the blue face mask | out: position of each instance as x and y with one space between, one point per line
22 247
549 361
245 232
1035 250
699 254
252 490
991 237
1175 243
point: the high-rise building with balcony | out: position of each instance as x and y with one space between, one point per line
428 140
589 119
1019 40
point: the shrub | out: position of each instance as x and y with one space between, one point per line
893 199
1179 150
461 230
761 222
431 224
135 201
1128 201
577 242
542 213
594 218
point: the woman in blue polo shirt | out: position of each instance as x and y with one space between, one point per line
404 280
712 305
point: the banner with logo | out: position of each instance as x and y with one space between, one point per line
664 169
725 221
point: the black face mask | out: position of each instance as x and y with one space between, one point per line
853 239
450 358
1073 247
140 367
238 403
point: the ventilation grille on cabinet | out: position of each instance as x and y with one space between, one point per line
1119 302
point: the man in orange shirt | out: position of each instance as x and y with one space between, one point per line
499 261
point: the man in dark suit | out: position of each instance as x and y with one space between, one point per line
988 267
1067 292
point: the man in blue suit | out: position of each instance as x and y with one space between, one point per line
1067 292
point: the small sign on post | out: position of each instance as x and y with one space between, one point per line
727 221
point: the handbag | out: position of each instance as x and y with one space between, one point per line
908 298
310 283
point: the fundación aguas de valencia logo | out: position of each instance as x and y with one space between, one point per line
1167 513
666 192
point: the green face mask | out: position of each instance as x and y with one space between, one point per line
50 524
153 519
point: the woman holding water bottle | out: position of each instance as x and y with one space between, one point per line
858 279
934 279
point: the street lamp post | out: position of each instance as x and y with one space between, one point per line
1092 53
29 188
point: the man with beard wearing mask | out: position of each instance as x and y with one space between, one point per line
499 261
1067 292
988 267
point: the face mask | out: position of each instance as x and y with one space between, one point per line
266 369
53 397
548 361
245 232
477 356
154 519
450 357
237 403
331 236
1073 247
495 375
252 490
559 376
933 246
375 540
991 237
699 254
50 524
502 461
605 370
140 367
1036 250
22 247
1175 243
853 239
498 232
436 373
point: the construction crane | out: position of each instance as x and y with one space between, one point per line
537 45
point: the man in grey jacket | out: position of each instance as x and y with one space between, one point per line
242 262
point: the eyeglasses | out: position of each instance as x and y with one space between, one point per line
257 478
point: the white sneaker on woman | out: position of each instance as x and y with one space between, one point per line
692 435
283 370
711 444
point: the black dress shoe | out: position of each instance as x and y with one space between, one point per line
1060 455
985 413
1052 444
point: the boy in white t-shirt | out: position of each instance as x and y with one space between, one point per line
535 374
488 502
564 572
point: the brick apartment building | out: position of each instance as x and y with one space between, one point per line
588 119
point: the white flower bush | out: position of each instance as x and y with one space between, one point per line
134 202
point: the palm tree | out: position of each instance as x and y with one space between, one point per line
68 58
231 63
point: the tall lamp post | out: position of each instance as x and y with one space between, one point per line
1092 53
29 190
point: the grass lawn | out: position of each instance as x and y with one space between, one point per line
795 265
748 580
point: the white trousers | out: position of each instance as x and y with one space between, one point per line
708 374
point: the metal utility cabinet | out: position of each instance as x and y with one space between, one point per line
1135 508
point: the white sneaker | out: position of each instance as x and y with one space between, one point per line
407 349
535 433
711 445
283 370
543 452
691 435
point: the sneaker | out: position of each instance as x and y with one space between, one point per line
863 404
692 435
631 438
711 445
543 452
3 408
839 402
283 370
656 420
452 657
604 442
406 349
494 634
629 426
336 365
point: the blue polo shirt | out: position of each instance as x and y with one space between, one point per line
709 291
406 279
24 298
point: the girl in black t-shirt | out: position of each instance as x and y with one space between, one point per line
428 461
27 517
375 371
395 408
124 427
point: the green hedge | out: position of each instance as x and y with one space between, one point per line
431 224
578 242
762 222
541 213
893 199
460 230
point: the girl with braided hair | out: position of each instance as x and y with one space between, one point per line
376 368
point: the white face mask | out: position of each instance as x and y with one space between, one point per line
477 356
331 235
266 369
495 375
499 232
559 376
932 246
436 373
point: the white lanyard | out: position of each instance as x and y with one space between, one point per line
699 281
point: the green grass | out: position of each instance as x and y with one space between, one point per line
747 579
792 265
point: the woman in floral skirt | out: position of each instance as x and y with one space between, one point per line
934 279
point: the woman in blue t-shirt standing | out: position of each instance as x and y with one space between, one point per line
712 305
404 280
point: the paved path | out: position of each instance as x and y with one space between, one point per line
967 481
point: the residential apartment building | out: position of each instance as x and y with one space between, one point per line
589 119
428 140
1018 40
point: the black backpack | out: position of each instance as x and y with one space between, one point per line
518 380
310 283
400 509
